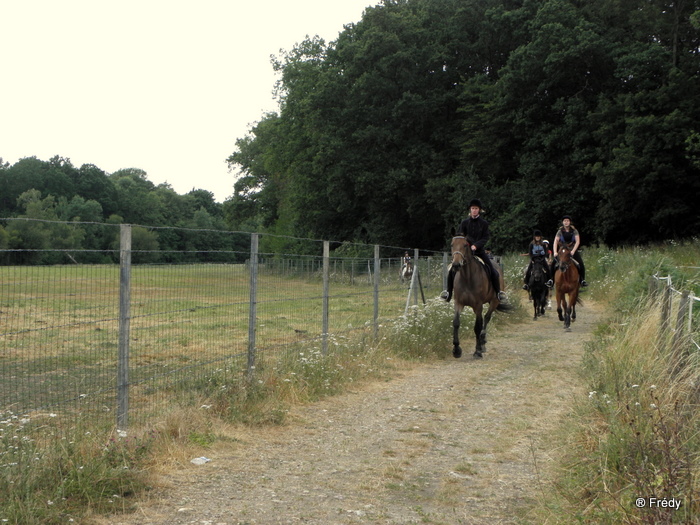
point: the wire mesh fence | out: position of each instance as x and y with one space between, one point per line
105 334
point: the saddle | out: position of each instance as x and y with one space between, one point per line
488 267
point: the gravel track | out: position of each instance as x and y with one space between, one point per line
459 441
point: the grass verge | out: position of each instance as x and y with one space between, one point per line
634 442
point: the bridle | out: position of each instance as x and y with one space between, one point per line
462 255
564 265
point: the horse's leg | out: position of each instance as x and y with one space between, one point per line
573 297
567 312
456 349
560 300
480 330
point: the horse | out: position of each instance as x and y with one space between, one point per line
566 281
406 272
473 288
538 288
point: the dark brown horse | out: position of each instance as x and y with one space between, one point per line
473 288
566 281
538 288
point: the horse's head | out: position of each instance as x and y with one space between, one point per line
461 250
564 256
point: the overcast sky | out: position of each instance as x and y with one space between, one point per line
166 86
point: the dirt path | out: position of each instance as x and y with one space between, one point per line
452 442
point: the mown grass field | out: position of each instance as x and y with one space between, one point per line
60 324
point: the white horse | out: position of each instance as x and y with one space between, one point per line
406 271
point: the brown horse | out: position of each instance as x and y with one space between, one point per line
473 288
566 281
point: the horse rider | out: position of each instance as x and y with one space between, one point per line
549 252
476 230
537 252
406 260
568 236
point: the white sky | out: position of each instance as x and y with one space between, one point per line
166 86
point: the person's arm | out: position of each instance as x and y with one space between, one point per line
483 238
577 244
555 249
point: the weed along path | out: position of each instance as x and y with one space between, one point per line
449 442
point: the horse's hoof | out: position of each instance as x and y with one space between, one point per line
478 355
457 352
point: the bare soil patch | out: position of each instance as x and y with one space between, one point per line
459 441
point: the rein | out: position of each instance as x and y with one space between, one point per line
462 255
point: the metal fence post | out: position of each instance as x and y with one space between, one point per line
326 274
377 264
666 308
444 270
676 343
417 274
124 325
252 308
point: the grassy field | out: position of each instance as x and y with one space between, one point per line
60 326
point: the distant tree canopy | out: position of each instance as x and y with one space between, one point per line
538 107
57 191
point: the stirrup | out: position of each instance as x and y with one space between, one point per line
549 284
526 287
501 296
584 283
444 295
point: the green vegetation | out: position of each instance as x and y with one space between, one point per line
538 107
636 435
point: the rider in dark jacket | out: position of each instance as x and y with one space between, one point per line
476 230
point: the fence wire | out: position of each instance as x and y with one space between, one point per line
189 312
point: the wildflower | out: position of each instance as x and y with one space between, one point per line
591 394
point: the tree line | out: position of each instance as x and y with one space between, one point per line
56 193
540 108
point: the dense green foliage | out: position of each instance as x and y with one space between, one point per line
538 107
92 200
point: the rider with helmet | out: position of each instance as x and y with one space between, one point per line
476 230
568 236
537 252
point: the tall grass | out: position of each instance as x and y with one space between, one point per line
637 434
